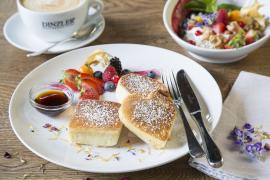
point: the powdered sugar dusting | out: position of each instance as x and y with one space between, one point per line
135 83
157 113
101 114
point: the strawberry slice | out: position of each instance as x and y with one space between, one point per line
84 76
99 84
70 78
251 36
89 94
88 84
71 73
222 16
249 39
70 83
219 27
84 80
226 46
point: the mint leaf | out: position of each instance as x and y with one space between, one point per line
211 5
196 6
229 7
208 6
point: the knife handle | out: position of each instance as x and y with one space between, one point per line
195 149
213 153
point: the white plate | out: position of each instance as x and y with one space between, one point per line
134 57
17 35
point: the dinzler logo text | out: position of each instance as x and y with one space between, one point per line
58 24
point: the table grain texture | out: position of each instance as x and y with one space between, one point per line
137 21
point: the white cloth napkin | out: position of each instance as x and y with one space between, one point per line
248 101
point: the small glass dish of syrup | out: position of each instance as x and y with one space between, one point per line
51 99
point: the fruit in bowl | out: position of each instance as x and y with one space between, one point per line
219 26
218 31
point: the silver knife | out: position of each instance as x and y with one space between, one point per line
213 154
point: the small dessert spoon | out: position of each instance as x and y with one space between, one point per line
84 32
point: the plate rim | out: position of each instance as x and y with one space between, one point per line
102 171
18 46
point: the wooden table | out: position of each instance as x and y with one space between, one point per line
138 21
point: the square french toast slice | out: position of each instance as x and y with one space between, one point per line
95 123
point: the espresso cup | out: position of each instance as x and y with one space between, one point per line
55 26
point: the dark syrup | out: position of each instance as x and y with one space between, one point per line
51 98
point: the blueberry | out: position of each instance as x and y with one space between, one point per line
125 71
98 74
109 86
151 74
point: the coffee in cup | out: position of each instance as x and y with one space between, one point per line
50 5
56 20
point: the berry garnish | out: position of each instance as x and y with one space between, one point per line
191 42
70 83
89 94
109 73
99 83
70 76
98 74
71 72
115 79
125 71
198 33
109 86
219 27
87 84
241 24
116 63
222 16
151 74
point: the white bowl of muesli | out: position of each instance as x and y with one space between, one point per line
218 31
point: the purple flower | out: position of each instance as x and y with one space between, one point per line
249 142
199 24
248 139
247 126
238 132
258 146
249 148
47 125
238 141
251 130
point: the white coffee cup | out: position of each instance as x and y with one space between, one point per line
56 26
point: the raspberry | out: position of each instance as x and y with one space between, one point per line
109 72
116 63
115 79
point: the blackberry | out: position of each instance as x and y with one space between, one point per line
116 63
125 71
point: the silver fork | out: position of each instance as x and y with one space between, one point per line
195 149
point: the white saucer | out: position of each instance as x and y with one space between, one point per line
17 35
